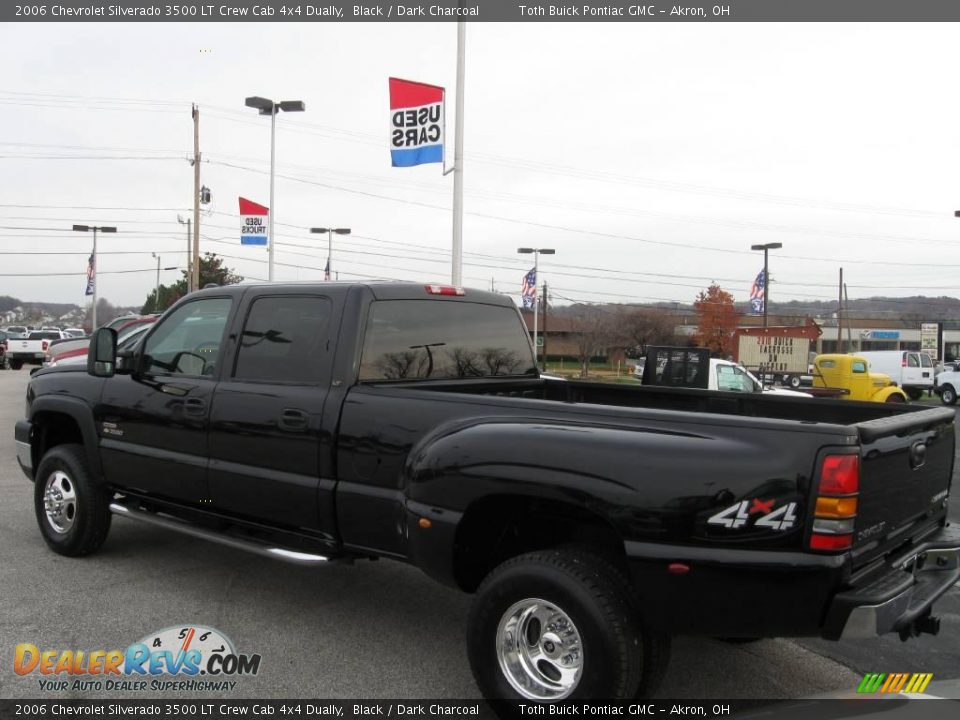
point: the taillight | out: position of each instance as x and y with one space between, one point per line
835 508
45 345
444 290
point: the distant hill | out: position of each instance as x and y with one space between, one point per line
914 310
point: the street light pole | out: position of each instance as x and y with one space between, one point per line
88 228
156 293
536 278
330 232
766 247
269 107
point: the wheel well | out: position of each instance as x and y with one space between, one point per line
53 429
499 527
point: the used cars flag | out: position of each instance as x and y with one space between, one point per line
416 123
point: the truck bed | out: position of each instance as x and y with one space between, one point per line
681 455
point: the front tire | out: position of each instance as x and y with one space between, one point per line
72 510
895 398
559 625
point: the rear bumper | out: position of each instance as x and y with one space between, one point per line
21 432
904 594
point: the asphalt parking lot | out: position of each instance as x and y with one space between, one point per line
370 630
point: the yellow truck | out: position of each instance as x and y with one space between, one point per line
849 377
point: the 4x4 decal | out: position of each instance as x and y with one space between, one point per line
760 511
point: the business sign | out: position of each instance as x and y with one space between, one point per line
774 353
880 334
416 123
253 223
930 339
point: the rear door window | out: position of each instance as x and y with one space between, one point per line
913 360
284 340
436 339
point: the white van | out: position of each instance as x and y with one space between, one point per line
911 370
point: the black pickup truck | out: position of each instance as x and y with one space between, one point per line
317 423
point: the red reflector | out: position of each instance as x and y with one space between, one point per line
830 542
840 475
678 568
444 290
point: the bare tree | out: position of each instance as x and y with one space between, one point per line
594 329
645 326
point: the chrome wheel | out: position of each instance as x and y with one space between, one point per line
539 650
60 501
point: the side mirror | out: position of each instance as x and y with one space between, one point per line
102 356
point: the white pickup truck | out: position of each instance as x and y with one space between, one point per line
693 367
31 349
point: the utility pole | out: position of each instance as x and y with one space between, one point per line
544 326
194 276
840 315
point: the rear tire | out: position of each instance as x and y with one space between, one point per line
915 393
948 396
561 625
73 512
794 381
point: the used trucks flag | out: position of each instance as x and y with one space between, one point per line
416 123
253 219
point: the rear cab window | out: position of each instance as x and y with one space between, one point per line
437 339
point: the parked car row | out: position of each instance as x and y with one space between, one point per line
50 346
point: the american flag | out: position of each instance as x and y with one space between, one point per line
757 293
529 289
326 270
91 276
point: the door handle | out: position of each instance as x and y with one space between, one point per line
295 420
194 406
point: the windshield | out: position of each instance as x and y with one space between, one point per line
419 339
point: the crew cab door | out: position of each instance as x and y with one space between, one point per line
266 438
153 422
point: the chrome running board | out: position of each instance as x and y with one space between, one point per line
297 557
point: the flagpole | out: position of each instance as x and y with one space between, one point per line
457 270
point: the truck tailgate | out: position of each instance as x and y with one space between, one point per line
906 469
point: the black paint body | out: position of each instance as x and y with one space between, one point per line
352 468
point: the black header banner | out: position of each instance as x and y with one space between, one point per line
478 11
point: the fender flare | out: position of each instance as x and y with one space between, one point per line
883 394
81 414
487 450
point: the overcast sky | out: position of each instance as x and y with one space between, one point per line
650 156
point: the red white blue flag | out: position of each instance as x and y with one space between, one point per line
758 293
91 275
529 290
253 223
326 270
416 123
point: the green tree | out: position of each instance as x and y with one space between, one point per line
212 270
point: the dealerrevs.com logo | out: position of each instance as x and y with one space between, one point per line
189 657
